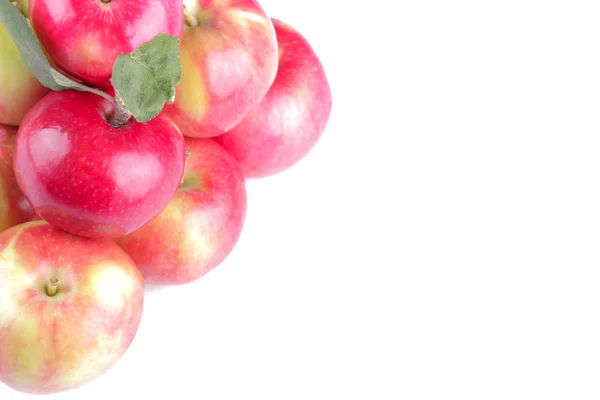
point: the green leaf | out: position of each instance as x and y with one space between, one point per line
146 78
32 54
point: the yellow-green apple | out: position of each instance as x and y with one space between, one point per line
200 226
14 207
228 60
19 89
291 118
69 307
84 38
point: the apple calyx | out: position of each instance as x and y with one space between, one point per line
145 79
52 287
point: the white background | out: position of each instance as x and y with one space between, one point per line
440 242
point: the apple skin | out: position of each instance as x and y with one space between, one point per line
200 226
19 89
228 63
84 38
14 207
23 6
56 343
88 178
291 118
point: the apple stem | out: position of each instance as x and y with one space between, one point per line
67 82
122 114
189 19
187 157
52 287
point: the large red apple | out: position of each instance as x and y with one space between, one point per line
19 89
69 307
89 178
14 207
291 118
200 226
85 37
228 61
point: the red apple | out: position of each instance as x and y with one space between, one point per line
200 226
228 61
14 207
19 89
89 178
291 118
69 307
85 37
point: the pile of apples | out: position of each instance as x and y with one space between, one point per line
94 204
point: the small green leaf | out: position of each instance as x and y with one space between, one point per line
146 78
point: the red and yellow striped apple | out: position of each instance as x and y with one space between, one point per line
291 118
228 60
19 89
69 307
14 207
200 226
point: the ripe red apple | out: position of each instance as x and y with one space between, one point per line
292 116
85 37
228 61
69 307
200 226
89 178
19 89
14 207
